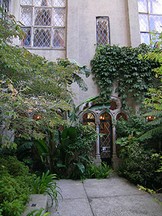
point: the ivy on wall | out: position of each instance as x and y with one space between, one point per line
122 65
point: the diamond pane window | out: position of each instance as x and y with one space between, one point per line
150 19
42 37
145 38
26 16
42 3
142 6
44 23
59 17
155 6
43 17
156 23
102 30
26 2
59 38
27 38
5 5
144 22
59 3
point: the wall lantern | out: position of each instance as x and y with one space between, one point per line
37 117
150 118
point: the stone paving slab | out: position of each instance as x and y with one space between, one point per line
73 207
107 197
113 186
74 200
71 189
134 205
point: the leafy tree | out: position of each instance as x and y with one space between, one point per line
34 92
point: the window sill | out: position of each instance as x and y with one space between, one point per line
44 48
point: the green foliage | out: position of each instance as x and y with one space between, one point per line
150 191
155 126
153 101
73 154
31 87
121 65
15 186
99 172
160 169
9 27
139 165
46 184
134 125
139 162
39 212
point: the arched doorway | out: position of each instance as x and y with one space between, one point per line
105 130
102 122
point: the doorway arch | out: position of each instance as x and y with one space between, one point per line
102 122
105 130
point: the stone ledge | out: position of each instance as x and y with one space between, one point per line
36 202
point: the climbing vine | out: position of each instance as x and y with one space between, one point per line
122 65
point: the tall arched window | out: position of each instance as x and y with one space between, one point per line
44 23
105 138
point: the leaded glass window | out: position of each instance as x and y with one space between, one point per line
44 23
4 4
150 19
102 30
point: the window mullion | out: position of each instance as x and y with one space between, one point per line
52 23
32 27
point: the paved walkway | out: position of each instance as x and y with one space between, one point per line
107 197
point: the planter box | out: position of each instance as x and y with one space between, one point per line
36 202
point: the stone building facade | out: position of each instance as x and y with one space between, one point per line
73 28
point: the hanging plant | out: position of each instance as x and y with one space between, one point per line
122 66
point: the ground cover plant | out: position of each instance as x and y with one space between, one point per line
15 186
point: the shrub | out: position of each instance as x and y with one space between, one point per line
101 171
15 186
74 152
140 165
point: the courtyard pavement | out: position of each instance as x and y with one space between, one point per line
114 196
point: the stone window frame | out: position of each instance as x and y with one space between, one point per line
29 29
99 31
148 34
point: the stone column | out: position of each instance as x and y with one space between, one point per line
115 159
98 158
